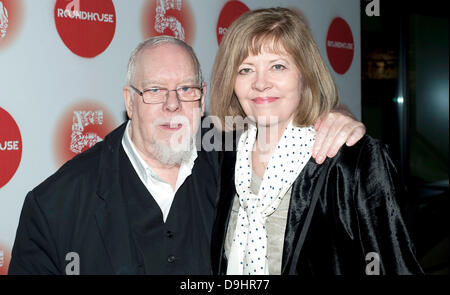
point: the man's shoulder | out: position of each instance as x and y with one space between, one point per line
83 168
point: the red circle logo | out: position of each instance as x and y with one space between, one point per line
10 147
5 258
340 45
10 20
230 12
168 17
86 27
80 128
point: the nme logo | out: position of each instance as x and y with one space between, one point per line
79 139
162 22
81 127
2 258
11 16
3 20
168 17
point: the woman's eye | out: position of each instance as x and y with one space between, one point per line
279 67
244 71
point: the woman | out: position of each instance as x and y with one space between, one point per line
281 213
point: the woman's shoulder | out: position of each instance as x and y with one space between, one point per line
366 150
369 142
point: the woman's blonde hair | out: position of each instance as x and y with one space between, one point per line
279 30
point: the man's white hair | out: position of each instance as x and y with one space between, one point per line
157 41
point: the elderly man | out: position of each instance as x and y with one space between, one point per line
143 200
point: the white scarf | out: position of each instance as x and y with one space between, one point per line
248 253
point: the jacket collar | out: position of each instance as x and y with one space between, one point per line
299 216
298 209
108 170
227 192
111 216
296 213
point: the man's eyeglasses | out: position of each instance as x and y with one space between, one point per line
156 95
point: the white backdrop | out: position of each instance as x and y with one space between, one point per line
42 81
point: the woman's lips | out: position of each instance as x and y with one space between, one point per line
264 100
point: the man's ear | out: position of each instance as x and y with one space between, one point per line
203 98
128 98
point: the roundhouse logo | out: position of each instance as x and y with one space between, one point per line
10 147
81 127
5 258
230 12
168 17
86 27
10 20
340 45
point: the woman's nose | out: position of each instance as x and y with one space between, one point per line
261 83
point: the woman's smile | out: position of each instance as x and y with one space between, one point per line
264 100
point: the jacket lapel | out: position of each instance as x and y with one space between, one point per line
301 196
113 225
223 210
111 216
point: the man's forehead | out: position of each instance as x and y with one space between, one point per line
161 77
162 63
156 81
166 52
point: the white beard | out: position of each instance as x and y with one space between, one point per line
179 147
172 155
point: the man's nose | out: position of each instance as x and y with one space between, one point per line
261 83
172 103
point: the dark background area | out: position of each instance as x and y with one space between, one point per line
405 103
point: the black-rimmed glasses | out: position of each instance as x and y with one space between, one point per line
156 95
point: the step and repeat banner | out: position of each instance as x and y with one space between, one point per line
63 66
